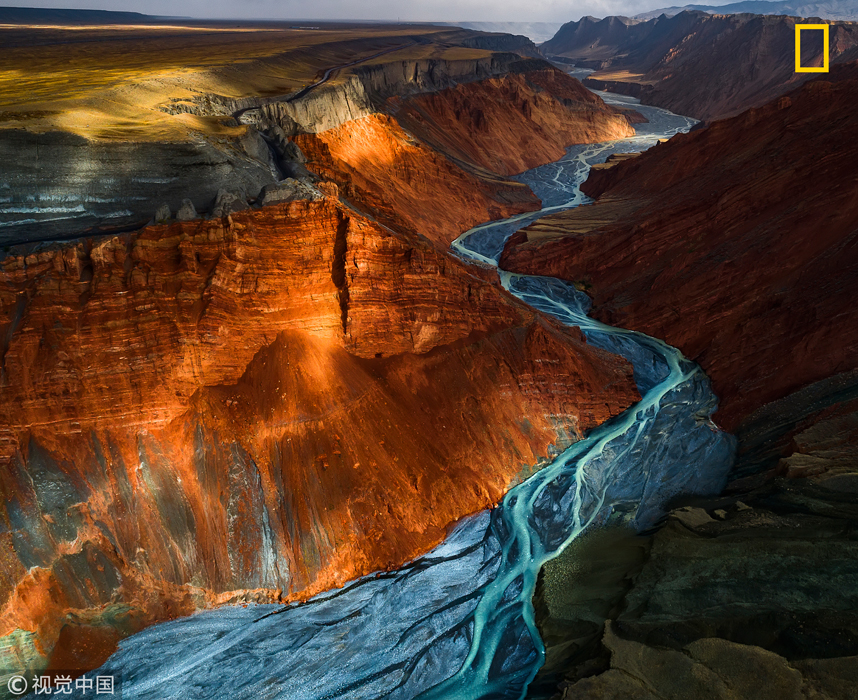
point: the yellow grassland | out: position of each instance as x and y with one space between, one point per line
112 82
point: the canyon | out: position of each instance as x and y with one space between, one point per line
277 385
673 244
108 156
284 411
707 66
260 408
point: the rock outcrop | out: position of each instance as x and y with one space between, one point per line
670 61
440 173
713 669
747 595
57 184
735 243
257 408
377 165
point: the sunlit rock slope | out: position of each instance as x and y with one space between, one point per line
257 407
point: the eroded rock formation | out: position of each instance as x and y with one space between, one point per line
441 173
398 179
750 594
534 116
258 407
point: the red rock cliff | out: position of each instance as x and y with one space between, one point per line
257 408
737 243
443 172
406 184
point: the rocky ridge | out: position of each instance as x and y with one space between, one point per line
436 164
85 184
670 61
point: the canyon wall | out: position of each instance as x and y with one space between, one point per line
511 123
434 165
258 407
57 184
404 183
673 246
697 64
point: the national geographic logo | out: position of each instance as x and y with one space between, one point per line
799 28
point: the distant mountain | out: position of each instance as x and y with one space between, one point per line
37 15
827 9
703 65
535 31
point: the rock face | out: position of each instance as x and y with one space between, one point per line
750 594
670 61
57 184
713 669
439 174
705 242
593 42
399 180
257 407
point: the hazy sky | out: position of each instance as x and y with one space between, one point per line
411 10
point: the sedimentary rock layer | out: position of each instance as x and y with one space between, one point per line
735 243
401 181
257 407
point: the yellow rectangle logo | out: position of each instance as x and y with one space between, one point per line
811 69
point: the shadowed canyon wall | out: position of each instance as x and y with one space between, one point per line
736 243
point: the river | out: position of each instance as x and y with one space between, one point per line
458 623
